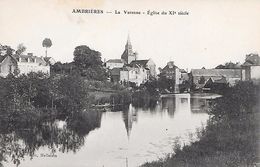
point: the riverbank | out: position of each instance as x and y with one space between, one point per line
230 137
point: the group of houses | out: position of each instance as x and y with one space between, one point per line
130 70
24 64
206 79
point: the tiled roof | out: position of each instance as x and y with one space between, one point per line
31 58
229 73
114 61
139 63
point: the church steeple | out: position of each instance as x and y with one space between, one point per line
128 56
128 45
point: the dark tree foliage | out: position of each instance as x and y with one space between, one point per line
231 136
20 49
229 65
73 94
63 68
88 63
166 84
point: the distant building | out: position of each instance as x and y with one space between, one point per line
148 64
114 63
129 69
23 64
199 77
8 65
128 55
215 84
171 71
137 75
251 68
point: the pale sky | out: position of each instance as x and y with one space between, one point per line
214 32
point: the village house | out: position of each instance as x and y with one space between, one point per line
148 64
129 69
251 68
22 64
114 63
137 75
172 72
199 77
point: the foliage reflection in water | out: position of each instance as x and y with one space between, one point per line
132 136
21 137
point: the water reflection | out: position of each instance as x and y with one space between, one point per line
129 137
129 116
22 138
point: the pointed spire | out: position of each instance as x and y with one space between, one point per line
128 40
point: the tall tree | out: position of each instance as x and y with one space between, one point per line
47 44
88 63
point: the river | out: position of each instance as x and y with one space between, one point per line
124 138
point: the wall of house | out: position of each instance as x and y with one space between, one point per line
124 76
136 75
152 67
27 67
7 66
114 65
255 72
233 81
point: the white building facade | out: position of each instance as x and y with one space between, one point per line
23 64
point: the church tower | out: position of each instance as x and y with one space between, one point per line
128 56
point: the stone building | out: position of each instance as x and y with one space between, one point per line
148 64
199 77
137 75
172 72
251 68
23 64
128 55
129 69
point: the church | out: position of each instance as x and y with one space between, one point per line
129 68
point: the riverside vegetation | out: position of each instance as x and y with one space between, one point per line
31 104
231 136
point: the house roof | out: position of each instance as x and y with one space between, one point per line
228 73
169 68
114 61
252 59
183 71
222 80
139 63
25 58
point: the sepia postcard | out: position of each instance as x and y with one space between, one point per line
120 83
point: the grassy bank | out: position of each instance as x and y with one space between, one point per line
230 137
